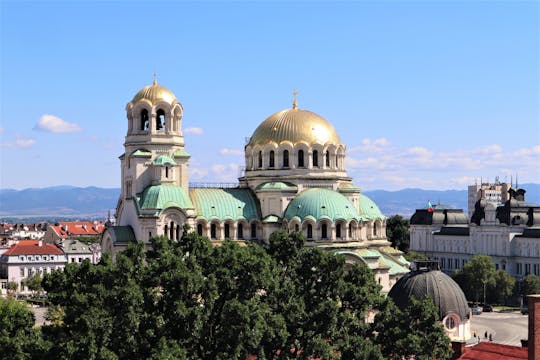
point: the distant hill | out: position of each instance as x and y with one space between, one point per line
89 202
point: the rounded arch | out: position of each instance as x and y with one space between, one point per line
254 229
301 155
228 229
308 229
269 155
341 230
141 117
172 221
242 229
285 154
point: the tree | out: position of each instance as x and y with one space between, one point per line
18 338
530 284
189 299
12 287
479 274
397 232
504 285
34 283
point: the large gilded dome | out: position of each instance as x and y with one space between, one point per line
295 125
155 93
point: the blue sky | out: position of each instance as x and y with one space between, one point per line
425 94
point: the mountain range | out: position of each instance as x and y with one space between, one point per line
94 202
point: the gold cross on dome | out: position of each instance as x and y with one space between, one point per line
294 104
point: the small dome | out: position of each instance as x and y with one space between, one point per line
321 203
162 160
445 292
295 125
155 93
369 210
164 196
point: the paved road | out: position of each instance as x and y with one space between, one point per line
505 328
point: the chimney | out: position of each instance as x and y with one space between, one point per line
534 326
458 348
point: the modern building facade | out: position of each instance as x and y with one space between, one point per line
294 179
494 193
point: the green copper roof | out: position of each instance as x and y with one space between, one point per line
321 203
181 153
369 210
165 196
141 153
270 186
223 204
395 268
123 234
164 159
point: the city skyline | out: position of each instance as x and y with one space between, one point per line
427 95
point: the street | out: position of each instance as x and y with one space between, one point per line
505 328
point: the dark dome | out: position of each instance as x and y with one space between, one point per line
445 292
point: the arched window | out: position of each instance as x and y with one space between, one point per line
227 231
338 230
240 231
300 158
199 229
271 159
160 120
374 229
167 172
253 231
324 231
260 159
309 231
144 119
171 231
315 158
350 230
296 227
166 230
178 234
286 158
327 158
213 231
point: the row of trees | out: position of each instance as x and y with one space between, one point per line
192 300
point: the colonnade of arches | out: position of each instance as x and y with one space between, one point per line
146 118
287 156
340 230
229 229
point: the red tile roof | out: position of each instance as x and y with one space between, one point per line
77 228
491 351
33 247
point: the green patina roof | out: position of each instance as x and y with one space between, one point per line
271 219
223 204
369 253
163 159
164 196
369 210
181 153
123 234
395 268
268 186
141 153
321 203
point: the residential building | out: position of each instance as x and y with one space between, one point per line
28 258
493 193
72 230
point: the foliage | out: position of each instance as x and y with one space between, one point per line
191 300
414 332
397 232
34 283
530 284
478 275
503 288
12 287
412 256
18 338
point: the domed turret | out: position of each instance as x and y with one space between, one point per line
155 93
428 281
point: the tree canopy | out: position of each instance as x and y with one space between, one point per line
397 232
192 300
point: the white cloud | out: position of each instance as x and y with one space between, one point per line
19 143
226 151
54 124
371 146
197 174
194 131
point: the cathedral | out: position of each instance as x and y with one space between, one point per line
295 179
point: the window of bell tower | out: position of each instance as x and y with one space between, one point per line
160 120
144 120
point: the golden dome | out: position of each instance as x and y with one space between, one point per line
155 93
295 125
